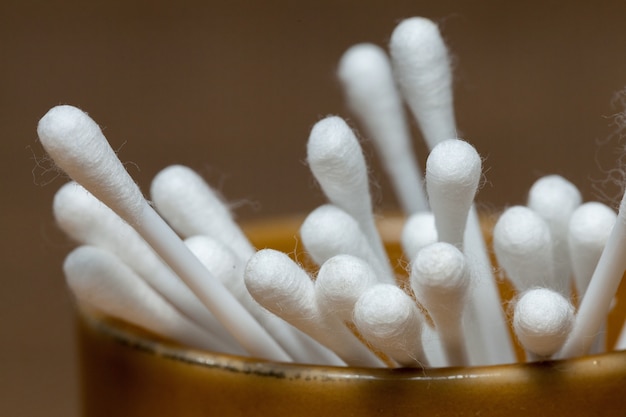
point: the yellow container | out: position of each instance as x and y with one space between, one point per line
127 372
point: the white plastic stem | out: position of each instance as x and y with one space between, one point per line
597 300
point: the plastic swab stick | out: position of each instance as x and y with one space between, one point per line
589 228
285 289
328 231
225 265
367 78
523 246
88 221
340 282
77 145
192 207
418 231
555 199
440 279
336 160
542 321
422 68
597 300
389 319
101 281
453 170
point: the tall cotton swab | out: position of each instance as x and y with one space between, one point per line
554 198
589 228
453 171
440 279
422 68
367 78
542 320
100 280
389 319
192 207
88 221
77 145
336 160
328 231
523 246
285 289
597 300
225 265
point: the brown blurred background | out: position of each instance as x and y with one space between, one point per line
231 88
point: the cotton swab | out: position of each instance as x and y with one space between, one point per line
523 246
77 145
336 160
340 282
192 207
225 265
453 171
440 279
422 68
88 221
589 228
100 280
555 199
597 300
328 231
542 320
389 319
285 289
418 231
367 78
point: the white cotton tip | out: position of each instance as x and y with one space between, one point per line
598 298
422 68
453 171
285 289
367 78
418 231
554 198
192 208
78 147
523 246
221 261
340 282
389 319
329 231
88 221
441 279
101 281
542 321
336 160
589 229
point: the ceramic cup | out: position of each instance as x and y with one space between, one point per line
128 372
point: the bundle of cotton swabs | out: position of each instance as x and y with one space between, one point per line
214 291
